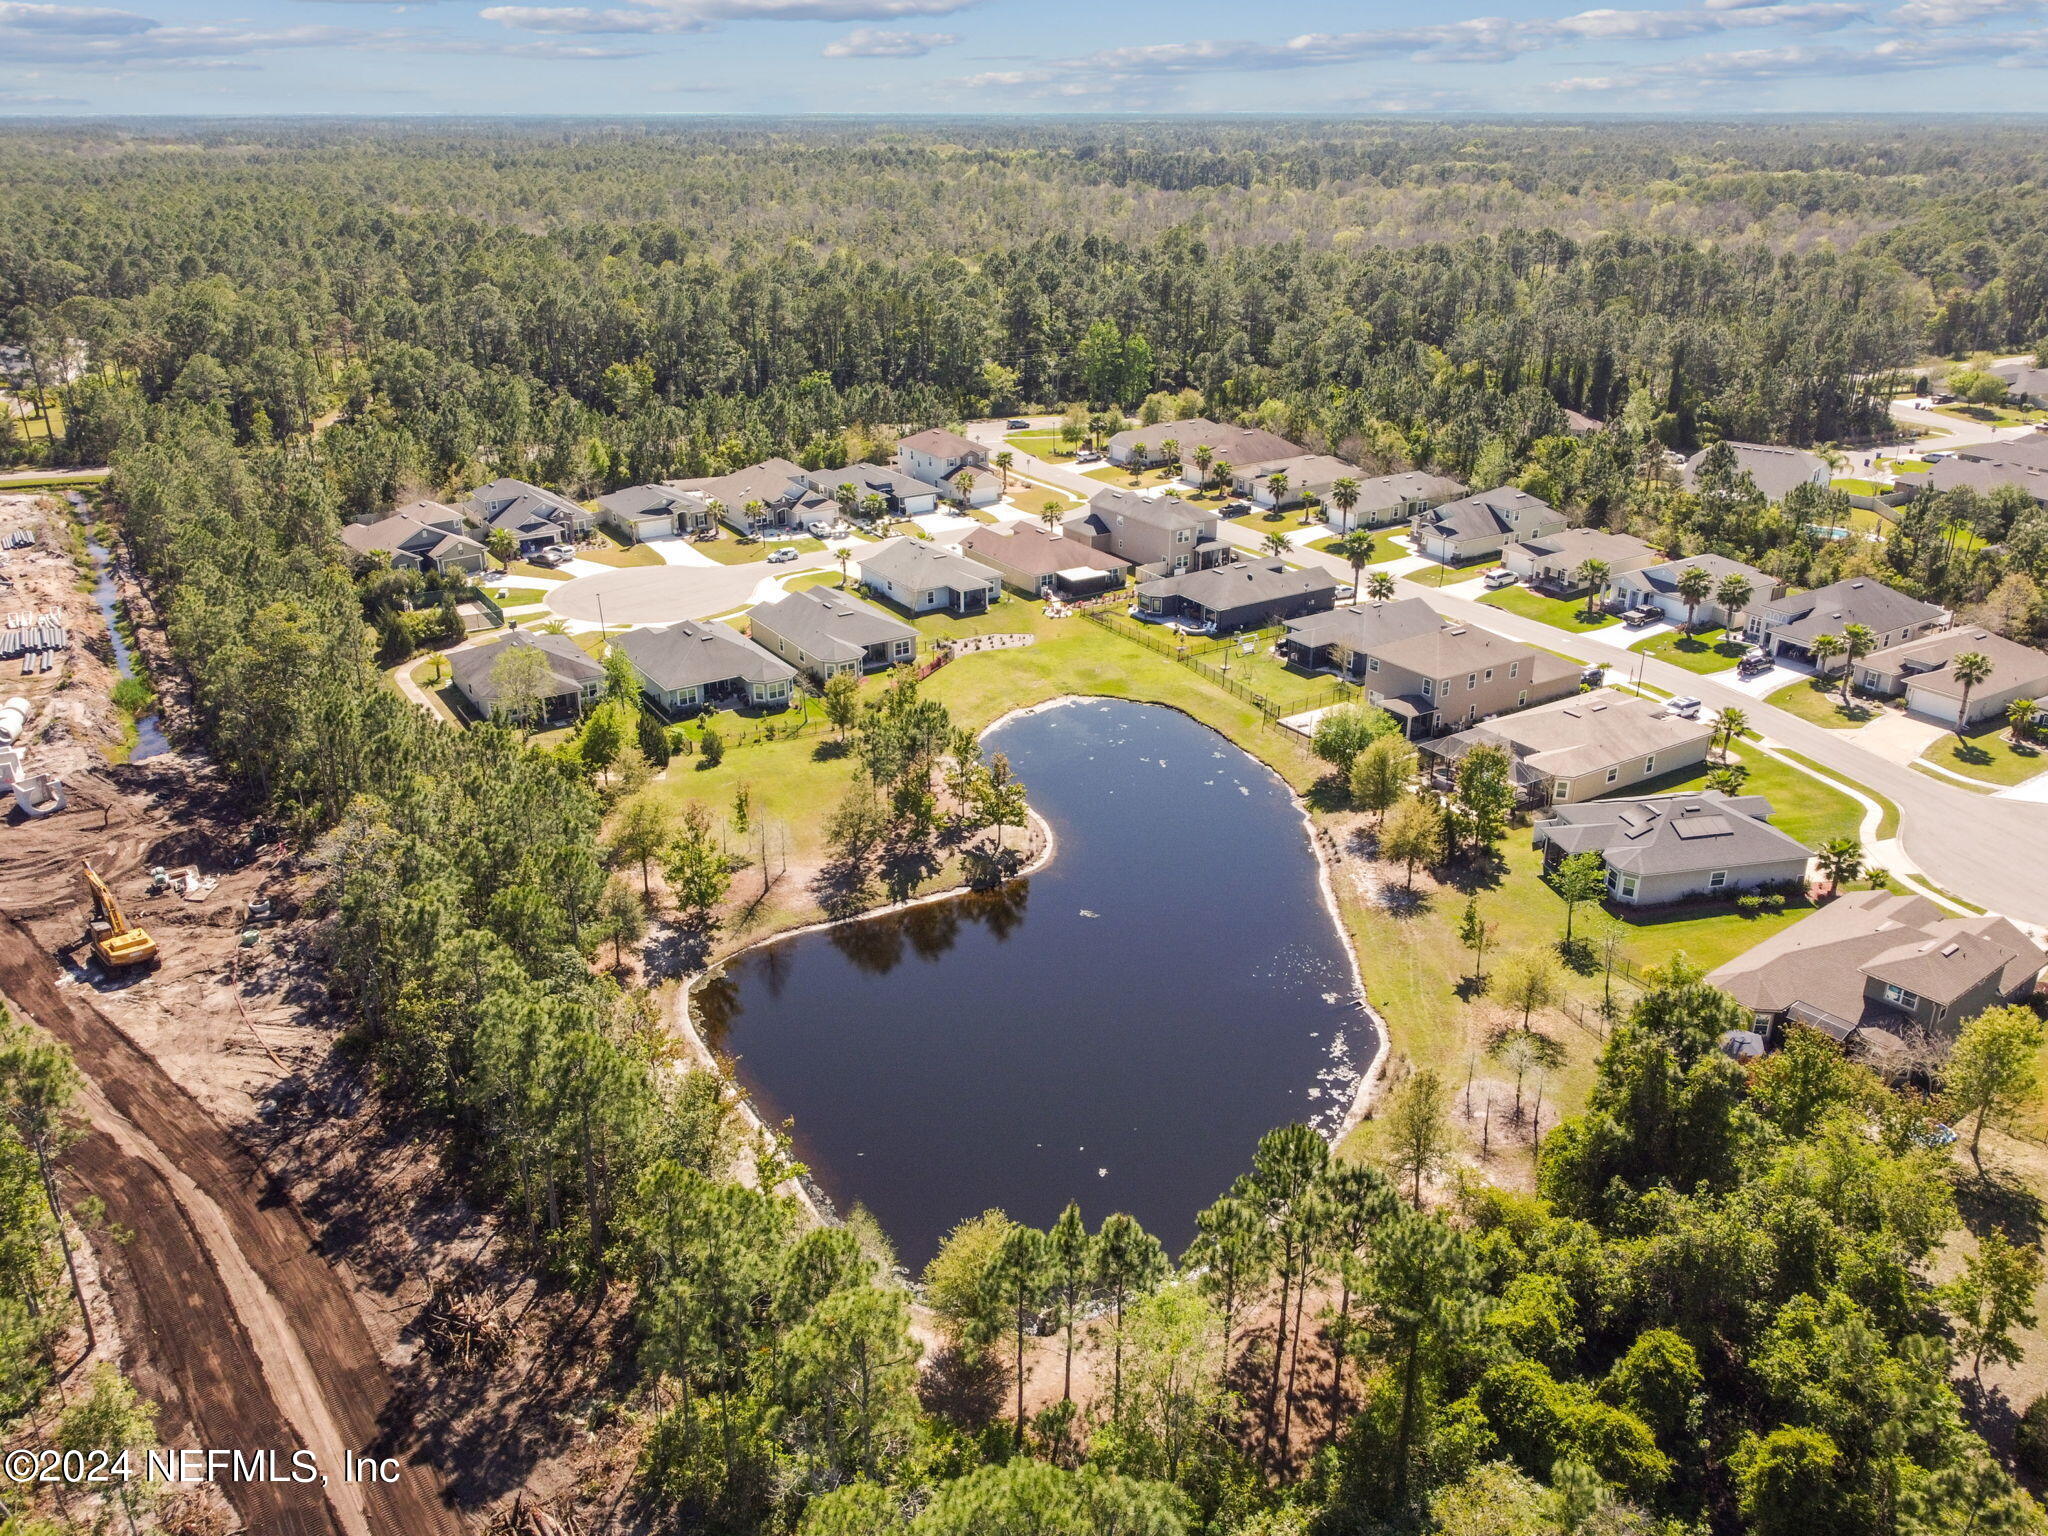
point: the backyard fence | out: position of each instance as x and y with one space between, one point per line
1194 658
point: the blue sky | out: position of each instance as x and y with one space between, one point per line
977 56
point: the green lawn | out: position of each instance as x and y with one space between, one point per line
534 572
1566 613
1707 650
515 597
1988 754
608 551
1384 550
1820 701
1110 474
1041 443
1857 487
1269 520
1801 805
729 550
829 578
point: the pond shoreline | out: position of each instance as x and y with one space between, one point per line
683 1015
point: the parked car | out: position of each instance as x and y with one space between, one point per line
1346 591
1594 675
1017 424
1686 708
1236 508
1641 618
1753 662
1087 456
1500 576
781 556
544 557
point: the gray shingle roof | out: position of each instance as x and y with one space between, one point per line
1672 834
568 664
1167 512
829 625
1775 469
1859 600
1664 578
1483 514
1376 493
1926 661
772 482
1365 628
1575 546
1583 734
692 654
941 444
1030 550
1224 587
650 501
920 565
1234 445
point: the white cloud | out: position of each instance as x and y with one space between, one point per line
1958 13
677 16
1710 73
71 20
882 43
583 18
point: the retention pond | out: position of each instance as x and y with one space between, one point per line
1118 1028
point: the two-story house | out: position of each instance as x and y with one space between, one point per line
1455 675
938 458
423 536
820 632
1161 535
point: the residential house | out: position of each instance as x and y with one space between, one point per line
1140 448
514 504
1040 564
573 682
1305 475
1384 500
773 496
921 577
2025 384
1668 848
1551 561
902 495
424 536
1154 533
1578 424
1775 470
821 631
1656 586
1788 625
1476 526
642 512
1226 598
1983 467
1875 963
695 665
937 458
1597 743
1341 640
1921 671
1456 675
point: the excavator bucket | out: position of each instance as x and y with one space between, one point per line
116 942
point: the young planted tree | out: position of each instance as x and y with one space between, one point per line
1204 454
1413 835
1972 670
1991 1072
1415 1131
1003 461
842 702
1694 586
639 834
1128 1262
1840 860
1993 1297
1475 932
1527 980
1486 795
1578 878
844 555
1276 486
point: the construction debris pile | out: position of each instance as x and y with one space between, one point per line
37 638
18 538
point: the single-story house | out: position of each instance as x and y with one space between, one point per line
902 495
937 457
1307 474
1162 532
1476 526
1579 424
1140 447
1921 671
1983 467
1248 595
921 577
692 664
528 526
1040 564
1668 848
1597 743
1872 961
2024 383
487 504
1343 639
821 631
1776 470
771 496
424 536
641 512
1552 560
1456 675
1387 499
573 680
1656 586
1788 625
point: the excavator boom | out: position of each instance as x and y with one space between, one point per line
117 942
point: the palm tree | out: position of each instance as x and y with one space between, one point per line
874 506
1276 482
1592 574
1734 595
1857 642
1049 514
2019 717
752 513
963 485
1275 543
1971 669
847 497
1344 496
1220 469
1379 586
1170 451
844 554
1825 649
1356 548
1729 726
1694 586
1203 454
1840 859
1003 461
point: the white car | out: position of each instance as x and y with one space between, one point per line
1500 576
781 556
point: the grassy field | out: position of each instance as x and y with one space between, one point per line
1041 443
1707 650
534 572
730 551
1268 520
606 550
1820 701
1384 550
1987 754
1110 474
1566 613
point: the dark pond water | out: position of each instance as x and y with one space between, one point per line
1119 1028
149 736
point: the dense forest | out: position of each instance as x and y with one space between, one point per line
1713 1316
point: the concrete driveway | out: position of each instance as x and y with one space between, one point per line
1897 736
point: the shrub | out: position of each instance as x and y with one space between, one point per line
2030 1440
713 748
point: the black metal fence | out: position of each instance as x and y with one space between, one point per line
1194 658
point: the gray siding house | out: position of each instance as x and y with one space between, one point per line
1671 848
1774 469
424 536
1227 598
641 512
1162 534
921 577
693 665
1479 525
1449 676
574 679
1599 743
1656 586
1384 500
1920 672
821 632
1141 446
1551 561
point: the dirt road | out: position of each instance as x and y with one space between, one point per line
250 1335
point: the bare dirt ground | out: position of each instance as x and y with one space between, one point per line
73 725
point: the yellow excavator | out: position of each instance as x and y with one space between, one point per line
117 943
